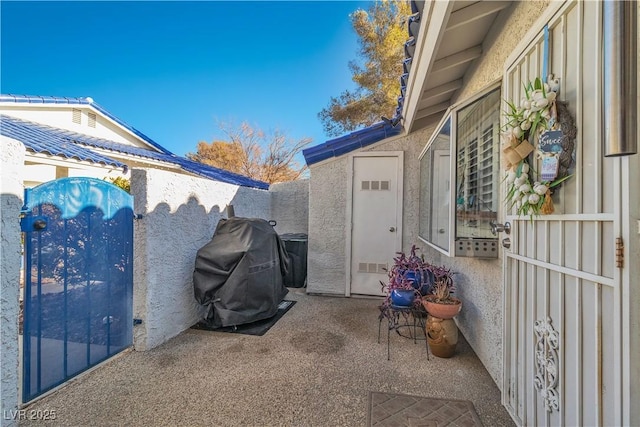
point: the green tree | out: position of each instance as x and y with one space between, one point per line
382 32
120 181
253 153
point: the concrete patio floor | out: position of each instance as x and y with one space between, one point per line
315 367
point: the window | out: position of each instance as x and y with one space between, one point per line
435 189
464 150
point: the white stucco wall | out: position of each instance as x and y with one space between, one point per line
290 206
11 200
326 270
180 214
479 282
328 212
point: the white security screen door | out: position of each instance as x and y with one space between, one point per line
376 219
563 331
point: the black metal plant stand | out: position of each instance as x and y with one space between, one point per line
406 321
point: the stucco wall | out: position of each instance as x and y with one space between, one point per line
412 146
479 282
327 211
180 214
11 200
501 41
290 206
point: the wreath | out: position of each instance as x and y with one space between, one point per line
539 129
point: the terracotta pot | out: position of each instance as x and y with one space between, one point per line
443 311
442 336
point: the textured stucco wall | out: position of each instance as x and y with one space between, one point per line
290 206
412 146
180 214
479 282
507 33
11 200
327 228
328 212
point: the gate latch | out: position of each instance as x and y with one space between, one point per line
33 223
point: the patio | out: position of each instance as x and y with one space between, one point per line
315 367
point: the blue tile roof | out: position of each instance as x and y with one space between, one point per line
350 142
33 99
41 138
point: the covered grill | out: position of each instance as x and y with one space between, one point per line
238 275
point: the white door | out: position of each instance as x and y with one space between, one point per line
563 329
376 219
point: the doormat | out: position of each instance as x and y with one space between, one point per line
400 410
259 327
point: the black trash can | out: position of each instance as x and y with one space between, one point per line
296 246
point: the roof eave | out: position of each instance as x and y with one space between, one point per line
432 27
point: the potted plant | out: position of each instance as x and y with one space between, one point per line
441 330
410 277
440 303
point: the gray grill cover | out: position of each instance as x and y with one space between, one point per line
238 275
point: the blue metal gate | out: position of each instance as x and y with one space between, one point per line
78 286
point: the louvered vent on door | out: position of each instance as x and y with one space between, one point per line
371 267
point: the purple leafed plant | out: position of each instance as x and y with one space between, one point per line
406 270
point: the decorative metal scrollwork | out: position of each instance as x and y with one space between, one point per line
546 363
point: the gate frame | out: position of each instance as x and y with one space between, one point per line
27 221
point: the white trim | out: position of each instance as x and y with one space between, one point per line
451 115
349 211
535 32
349 225
608 281
389 139
605 217
433 22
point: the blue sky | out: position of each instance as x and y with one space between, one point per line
173 69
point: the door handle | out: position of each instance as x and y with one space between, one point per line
499 228
392 229
441 231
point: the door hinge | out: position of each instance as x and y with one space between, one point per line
619 252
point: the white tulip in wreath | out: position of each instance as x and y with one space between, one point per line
534 127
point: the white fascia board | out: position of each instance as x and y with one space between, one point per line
433 23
